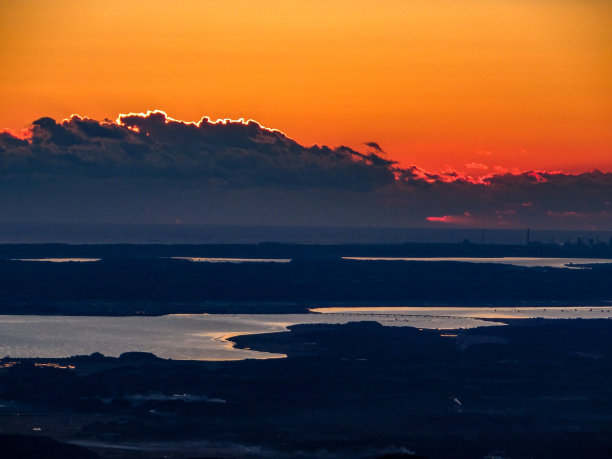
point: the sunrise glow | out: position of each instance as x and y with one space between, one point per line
476 86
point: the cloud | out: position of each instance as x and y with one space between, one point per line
148 167
375 146
234 153
476 165
464 219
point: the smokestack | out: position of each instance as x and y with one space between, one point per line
527 237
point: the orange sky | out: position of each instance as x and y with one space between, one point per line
485 83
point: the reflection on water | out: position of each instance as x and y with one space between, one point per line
234 260
58 260
190 337
527 262
204 336
454 314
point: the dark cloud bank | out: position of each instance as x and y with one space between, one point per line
153 169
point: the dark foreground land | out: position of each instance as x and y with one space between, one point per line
533 389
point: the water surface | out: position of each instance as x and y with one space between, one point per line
233 260
58 260
204 336
527 262
454 315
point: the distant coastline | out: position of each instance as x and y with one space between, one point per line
148 280
125 233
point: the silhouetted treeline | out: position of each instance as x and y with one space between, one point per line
158 281
578 248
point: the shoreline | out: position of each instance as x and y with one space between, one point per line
151 309
335 381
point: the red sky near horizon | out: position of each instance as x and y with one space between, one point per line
477 86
